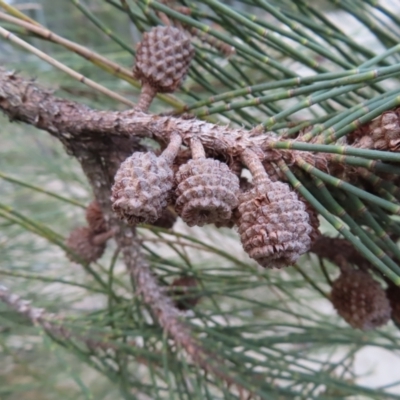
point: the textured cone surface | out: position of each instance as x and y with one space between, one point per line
81 242
142 188
360 300
206 192
393 294
183 287
383 133
163 58
95 218
273 224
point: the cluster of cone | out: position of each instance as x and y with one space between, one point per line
205 189
273 222
89 242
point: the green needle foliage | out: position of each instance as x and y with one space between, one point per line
290 67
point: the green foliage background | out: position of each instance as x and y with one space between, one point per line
276 329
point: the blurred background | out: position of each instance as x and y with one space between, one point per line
278 324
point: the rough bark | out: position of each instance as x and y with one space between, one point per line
76 124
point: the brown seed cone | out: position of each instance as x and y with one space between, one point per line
206 192
163 58
273 224
143 184
167 219
393 294
141 189
83 242
95 217
183 289
360 300
383 133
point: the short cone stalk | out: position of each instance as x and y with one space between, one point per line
206 189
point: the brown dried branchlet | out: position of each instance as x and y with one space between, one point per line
206 189
95 218
360 300
162 61
143 184
313 219
226 49
273 224
88 245
182 290
340 251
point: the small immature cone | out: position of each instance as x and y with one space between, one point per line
360 300
183 290
273 223
393 294
95 218
162 61
143 184
86 244
206 189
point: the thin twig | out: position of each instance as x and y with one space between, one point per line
14 39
